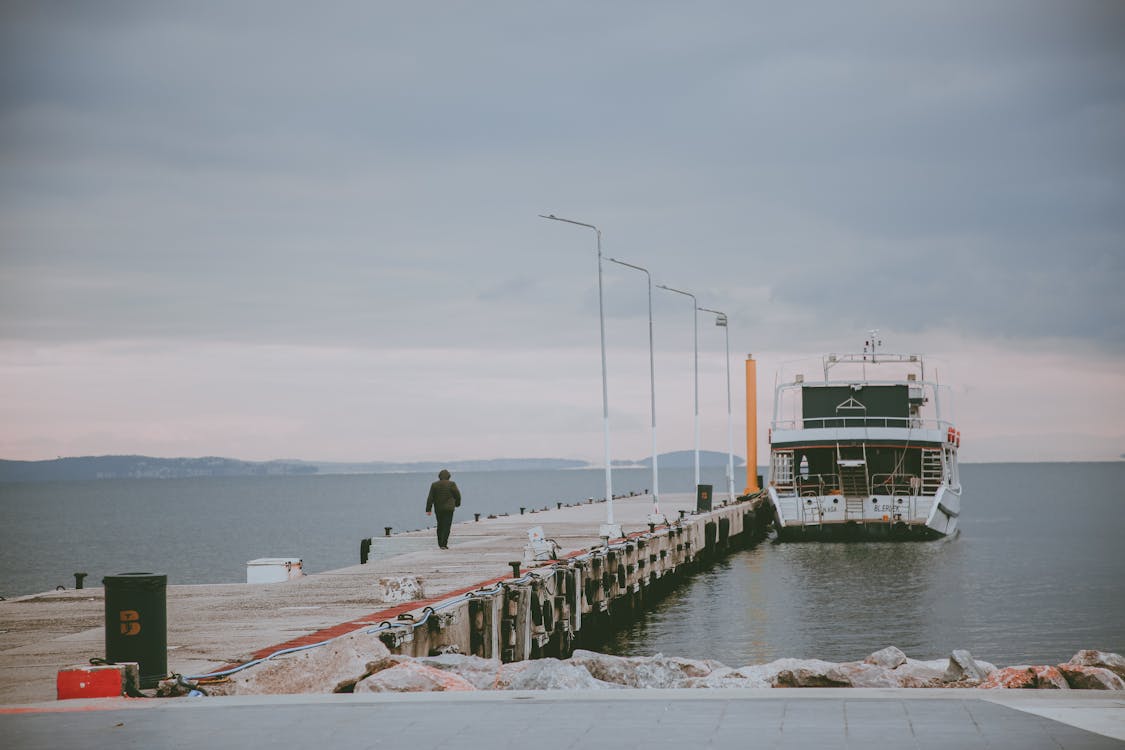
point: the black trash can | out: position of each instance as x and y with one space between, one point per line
703 497
136 623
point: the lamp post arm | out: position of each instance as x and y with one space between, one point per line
610 528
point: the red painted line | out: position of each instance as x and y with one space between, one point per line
80 705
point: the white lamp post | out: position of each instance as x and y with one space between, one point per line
655 516
695 331
609 528
721 321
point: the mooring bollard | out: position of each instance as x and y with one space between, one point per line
558 506
515 568
78 579
386 531
522 509
476 516
364 550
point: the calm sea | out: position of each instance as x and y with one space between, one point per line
1034 574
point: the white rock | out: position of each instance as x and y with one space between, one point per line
801 673
889 658
482 673
752 676
1082 677
331 667
412 677
862 674
547 674
962 668
657 671
1103 659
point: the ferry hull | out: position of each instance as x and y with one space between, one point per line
794 522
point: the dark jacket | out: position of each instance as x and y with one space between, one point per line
444 496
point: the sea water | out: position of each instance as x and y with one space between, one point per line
1034 574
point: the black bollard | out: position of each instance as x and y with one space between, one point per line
476 516
78 579
558 506
364 550
515 568
522 510
386 531
652 528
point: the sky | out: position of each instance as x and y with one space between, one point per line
286 230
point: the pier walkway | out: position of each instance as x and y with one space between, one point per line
217 624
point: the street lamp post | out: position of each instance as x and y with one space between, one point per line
695 331
721 321
655 516
609 528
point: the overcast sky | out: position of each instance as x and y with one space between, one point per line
291 230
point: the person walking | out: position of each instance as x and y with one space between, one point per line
443 498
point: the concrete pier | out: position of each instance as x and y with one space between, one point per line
212 626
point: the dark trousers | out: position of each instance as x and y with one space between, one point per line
444 521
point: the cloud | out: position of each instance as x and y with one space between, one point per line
368 178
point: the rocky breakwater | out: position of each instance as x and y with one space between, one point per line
361 663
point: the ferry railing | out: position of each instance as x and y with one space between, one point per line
819 484
895 484
910 423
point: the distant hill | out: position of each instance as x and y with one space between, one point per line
143 467
147 467
684 460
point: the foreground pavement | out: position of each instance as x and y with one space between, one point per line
769 718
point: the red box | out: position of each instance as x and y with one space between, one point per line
90 681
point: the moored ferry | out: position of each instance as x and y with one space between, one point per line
867 451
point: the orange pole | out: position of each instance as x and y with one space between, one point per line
751 425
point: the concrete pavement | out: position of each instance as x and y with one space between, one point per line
626 719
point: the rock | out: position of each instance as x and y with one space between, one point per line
1026 677
482 673
657 671
753 676
920 674
863 674
334 666
399 589
963 668
412 677
1082 677
1104 659
547 674
803 673
888 658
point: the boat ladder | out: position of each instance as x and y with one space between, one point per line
932 470
853 508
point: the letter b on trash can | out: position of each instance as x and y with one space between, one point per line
130 622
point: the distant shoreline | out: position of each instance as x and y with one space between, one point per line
85 468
